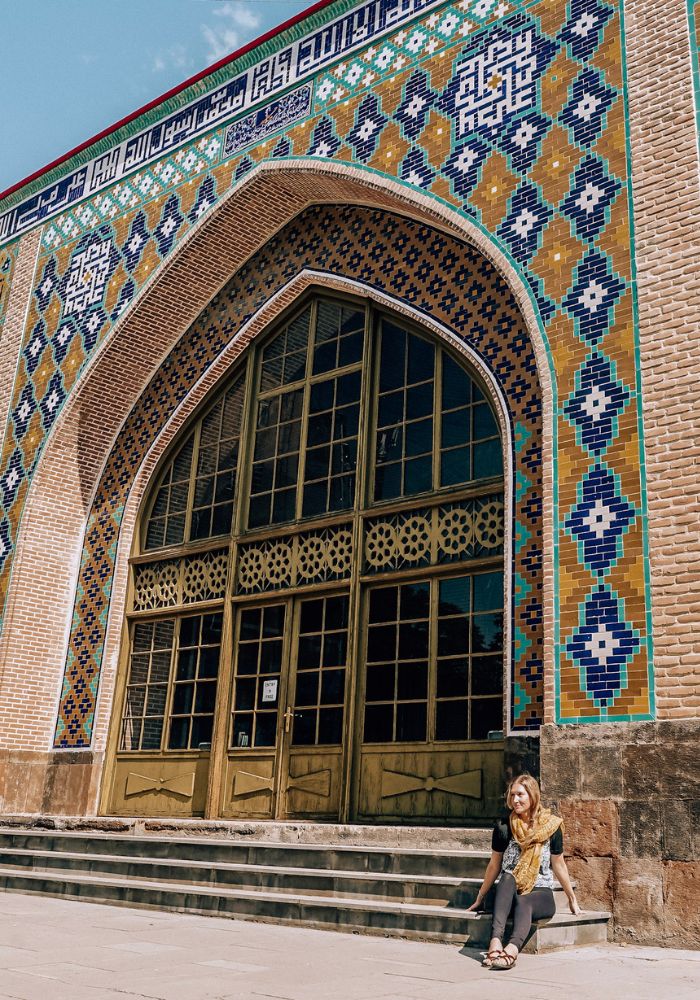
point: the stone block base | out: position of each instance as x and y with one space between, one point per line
630 799
52 784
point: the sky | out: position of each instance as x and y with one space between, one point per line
74 67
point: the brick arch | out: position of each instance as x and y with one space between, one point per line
441 278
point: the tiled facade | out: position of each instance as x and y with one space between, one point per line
523 176
515 115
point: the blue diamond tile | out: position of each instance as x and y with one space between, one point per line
522 227
583 30
166 231
599 520
62 339
23 412
593 297
585 113
415 169
522 140
464 164
324 141
283 147
47 285
206 197
244 166
596 403
35 348
602 646
11 479
136 241
593 191
365 133
412 113
5 541
91 326
53 400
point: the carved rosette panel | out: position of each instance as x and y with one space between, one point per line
313 557
465 530
173 582
156 585
204 577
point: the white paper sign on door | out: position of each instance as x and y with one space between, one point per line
269 692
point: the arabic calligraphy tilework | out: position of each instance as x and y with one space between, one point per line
517 118
486 317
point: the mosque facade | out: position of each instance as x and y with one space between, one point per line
349 407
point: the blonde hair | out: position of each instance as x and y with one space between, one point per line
532 787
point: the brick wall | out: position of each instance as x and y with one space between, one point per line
667 225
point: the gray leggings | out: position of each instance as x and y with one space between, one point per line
536 905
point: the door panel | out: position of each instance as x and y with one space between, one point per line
431 746
259 682
446 784
157 786
250 785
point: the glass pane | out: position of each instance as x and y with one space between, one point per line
381 681
305 728
379 724
452 720
265 729
452 678
488 591
330 726
487 674
411 722
487 715
307 688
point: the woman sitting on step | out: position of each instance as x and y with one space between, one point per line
525 849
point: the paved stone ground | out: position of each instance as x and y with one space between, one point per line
54 949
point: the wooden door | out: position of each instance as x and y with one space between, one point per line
430 726
315 719
286 733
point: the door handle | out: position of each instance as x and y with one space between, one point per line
288 716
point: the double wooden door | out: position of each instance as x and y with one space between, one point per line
288 714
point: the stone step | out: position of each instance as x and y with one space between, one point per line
426 889
402 919
465 863
264 831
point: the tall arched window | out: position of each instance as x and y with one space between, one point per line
318 593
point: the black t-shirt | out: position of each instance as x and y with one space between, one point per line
502 836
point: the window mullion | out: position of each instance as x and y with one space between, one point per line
306 403
193 480
170 692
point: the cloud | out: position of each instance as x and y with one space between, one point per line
176 57
235 25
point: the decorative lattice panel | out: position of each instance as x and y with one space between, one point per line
313 557
466 530
189 580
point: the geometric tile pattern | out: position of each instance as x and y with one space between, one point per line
514 115
490 323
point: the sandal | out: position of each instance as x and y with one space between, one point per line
490 957
504 961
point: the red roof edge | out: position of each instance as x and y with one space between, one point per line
319 5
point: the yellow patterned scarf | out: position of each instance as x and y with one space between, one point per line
531 842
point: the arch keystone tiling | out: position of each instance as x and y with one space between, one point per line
514 172
332 240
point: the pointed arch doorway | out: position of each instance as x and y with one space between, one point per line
329 536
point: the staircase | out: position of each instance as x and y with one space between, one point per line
356 879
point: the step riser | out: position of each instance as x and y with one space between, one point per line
308 883
281 856
440 926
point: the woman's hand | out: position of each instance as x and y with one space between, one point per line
573 905
476 904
